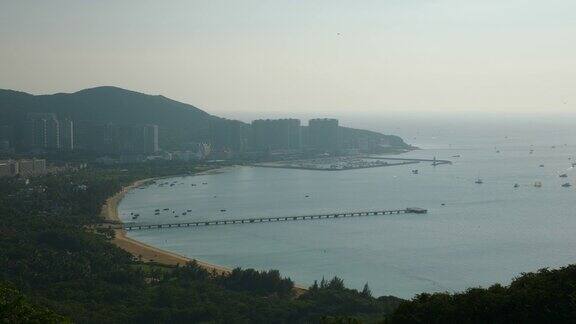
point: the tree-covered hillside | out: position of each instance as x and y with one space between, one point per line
547 296
179 123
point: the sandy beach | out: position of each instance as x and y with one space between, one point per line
141 250
147 252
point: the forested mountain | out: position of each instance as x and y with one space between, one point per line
179 123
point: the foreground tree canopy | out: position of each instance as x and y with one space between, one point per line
49 255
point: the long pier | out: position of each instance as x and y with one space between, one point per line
412 210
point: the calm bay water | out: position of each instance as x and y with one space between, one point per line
482 235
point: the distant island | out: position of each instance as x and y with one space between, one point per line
110 121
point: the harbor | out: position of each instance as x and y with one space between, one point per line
348 163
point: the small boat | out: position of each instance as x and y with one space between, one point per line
497 151
414 171
166 208
537 184
479 181
307 196
157 210
222 210
541 165
563 175
204 183
456 156
566 185
188 210
516 185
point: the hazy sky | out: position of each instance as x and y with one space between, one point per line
303 56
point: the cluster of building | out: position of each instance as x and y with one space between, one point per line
130 143
24 168
46 132
276 135
111 138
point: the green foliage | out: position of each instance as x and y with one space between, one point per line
47 252
15 308
547 296
262 283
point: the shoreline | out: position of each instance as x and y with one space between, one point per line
153 254
142 250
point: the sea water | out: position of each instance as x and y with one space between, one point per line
473 235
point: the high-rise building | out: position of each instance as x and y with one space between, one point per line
42 131
323 134
228 135
276 134
67 135
7 135
150 138
117 138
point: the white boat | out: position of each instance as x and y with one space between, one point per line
479 181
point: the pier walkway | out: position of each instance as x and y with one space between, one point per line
133 226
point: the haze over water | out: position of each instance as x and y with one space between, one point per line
484 234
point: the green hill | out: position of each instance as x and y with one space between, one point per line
179 123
